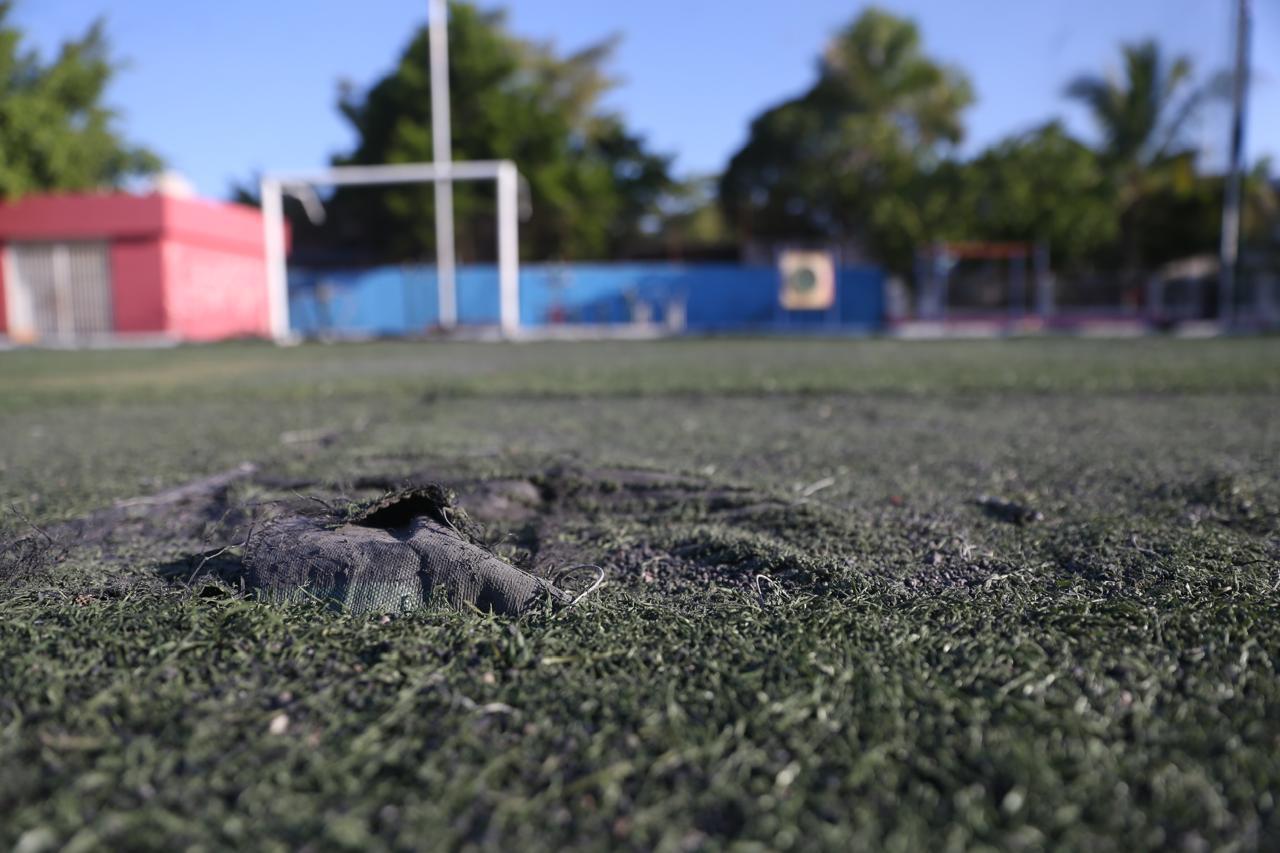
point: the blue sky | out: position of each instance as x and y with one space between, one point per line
222 89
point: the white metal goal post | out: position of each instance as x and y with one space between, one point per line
502 172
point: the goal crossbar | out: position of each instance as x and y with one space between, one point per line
502 172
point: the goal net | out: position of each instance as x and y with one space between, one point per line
426 295
974 279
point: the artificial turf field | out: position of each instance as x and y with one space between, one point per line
813 634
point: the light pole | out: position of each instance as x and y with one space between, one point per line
1229 251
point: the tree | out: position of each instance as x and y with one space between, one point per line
592 182
1042 185
55 132
859 156
1143 115
692 223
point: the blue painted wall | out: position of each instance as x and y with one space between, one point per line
717 297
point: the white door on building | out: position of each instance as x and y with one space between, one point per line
58 292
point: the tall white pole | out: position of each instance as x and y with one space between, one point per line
273 247
508 249
1229 250
442 155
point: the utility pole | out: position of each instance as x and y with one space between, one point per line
1229 251
442 156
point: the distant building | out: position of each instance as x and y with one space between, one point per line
92 268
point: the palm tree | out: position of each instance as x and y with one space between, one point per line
877 66
1143 115
843 161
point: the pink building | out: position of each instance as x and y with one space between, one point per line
80 268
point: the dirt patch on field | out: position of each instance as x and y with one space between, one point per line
646 528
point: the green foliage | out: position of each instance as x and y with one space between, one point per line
592 182
692 222
857 157
1143 114
863 159
55 132
1043 185
1136 201
1165 209
1260 220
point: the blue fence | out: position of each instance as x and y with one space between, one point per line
397 300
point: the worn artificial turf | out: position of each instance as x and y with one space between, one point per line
914 670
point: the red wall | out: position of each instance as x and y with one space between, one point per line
186 268
137 286
81 217
4 320
215 281
212 293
